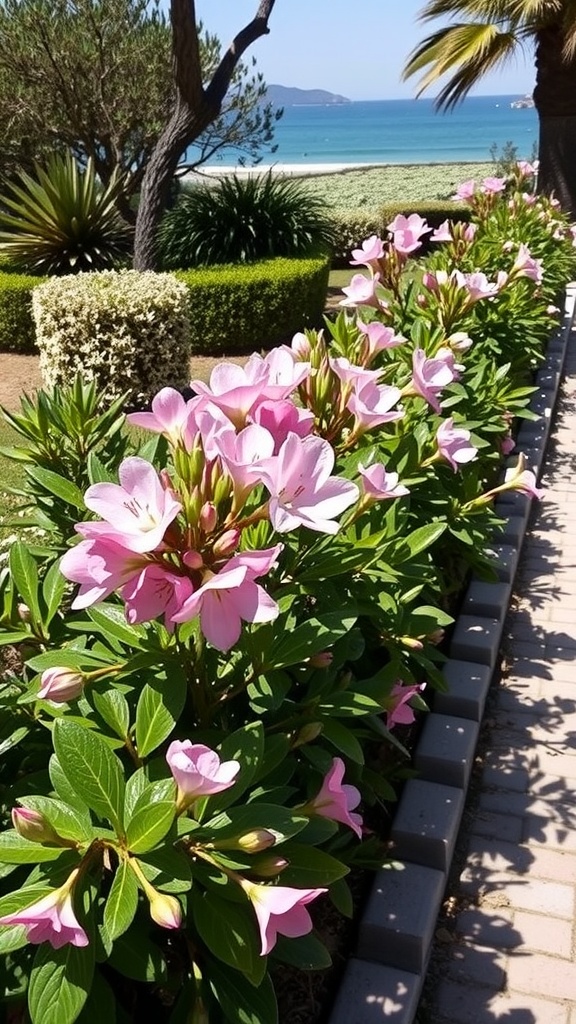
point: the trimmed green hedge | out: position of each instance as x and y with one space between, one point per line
351 227
17 333
434 211
238 308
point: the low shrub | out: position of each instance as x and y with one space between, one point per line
128 331
242 220
235 309
16 321
349 227
435 213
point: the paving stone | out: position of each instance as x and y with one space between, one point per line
509 890
494 929
494 858
426 823
468 684
545 934
487 599
472 1004
477 964
400 917
445 749
476 639
543 976
371 993
497 826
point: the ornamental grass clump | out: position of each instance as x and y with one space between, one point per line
243 220
126 330
249 606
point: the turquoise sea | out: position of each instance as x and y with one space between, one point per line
399 132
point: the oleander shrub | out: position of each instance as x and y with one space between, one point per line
243 220
61 221
16 321
235 309
126 330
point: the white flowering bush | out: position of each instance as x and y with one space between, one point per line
126 330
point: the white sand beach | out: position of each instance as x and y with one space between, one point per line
296 170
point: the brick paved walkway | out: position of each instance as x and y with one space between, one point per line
513 960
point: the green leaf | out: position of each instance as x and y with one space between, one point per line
112 621
421 539
240 1002
309 868
236 821
159 707
91 767
246 745
53 589
16 850
122 901
113 707
168 869
59 983
65 790
149 825
341 896
101 1003
66 821
24 572
135 956
58 485
343 739
306 953
309 638
230 932
349 704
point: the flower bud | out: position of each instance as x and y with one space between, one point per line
412 642
33 826
269 867
321 660
23 612
192 560
208 517
61 684
165 910
307 734
256 841
301 346
226 544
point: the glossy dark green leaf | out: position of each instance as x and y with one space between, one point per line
59 983
122 901
159 707
92 768
149 825
230 932
240 1001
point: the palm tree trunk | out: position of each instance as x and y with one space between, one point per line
555 101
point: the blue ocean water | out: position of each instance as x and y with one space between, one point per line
400 131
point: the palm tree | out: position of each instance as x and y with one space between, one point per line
487 35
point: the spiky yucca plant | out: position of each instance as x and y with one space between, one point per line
243 220
61 221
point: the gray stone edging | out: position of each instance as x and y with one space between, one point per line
383 980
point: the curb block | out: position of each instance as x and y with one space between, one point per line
398 924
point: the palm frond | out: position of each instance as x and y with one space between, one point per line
471 49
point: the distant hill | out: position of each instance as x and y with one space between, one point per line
284 96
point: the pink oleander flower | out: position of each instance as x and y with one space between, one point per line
33 826
357 376
362 292
526 169
234 390
280 910
100 566
491 186
527 266
230 597
459 341
198 770
378 337
283 418
523 480
466 189
302 492
443 233
454 444
169 415
61 685
301 347
155 591
51 919
378 485
507 445
372 405
285 371
371 251
336 801
479 287
407 232
137 512
400 712
431 376
241 453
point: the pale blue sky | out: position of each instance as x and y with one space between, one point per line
353 47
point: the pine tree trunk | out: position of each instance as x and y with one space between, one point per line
555 101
